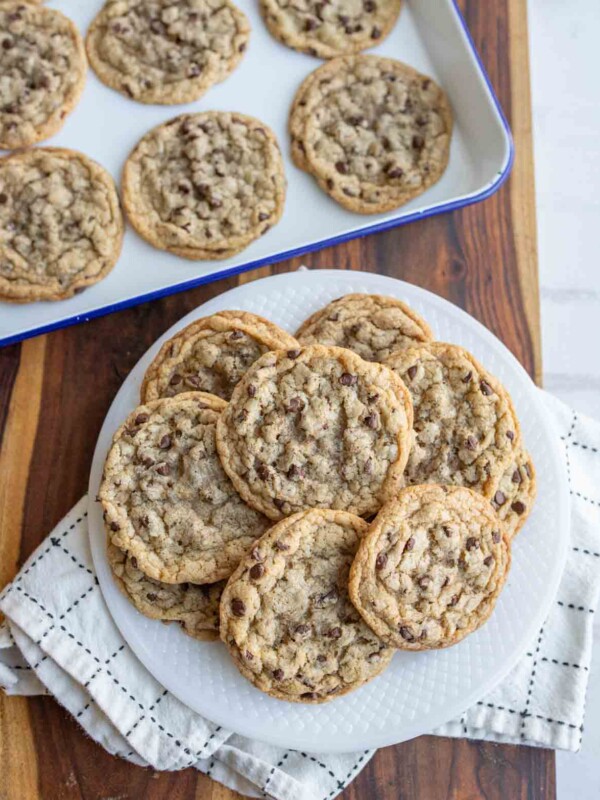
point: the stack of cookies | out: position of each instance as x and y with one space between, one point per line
317 501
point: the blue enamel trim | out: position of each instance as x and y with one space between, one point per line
287 254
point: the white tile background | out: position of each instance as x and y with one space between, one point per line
565 70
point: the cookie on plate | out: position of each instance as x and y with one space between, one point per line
515 493
286 616
332 28
195 607
167 502
374 132
466 432
316 427
42 72
431 567
204 186
61 226
212 355
371 325
163 51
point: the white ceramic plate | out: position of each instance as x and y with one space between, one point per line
419 691
429 35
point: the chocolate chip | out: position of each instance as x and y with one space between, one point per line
518 507
406 633
262 216
257 571
347 191
163 469
293 353
248 656
376 33
262 471
281 545
114 526
278 674
310 24
418 142
341 167
242 416
194 381
3 198
453 601
133 560
486 389
516 477
381 561
499 498
242 47
448 531
192 16
148 462
238 607
369 6
334 633
236 335
141 418
471 443
152 596
256 554
278 503
371 421
309 696
157 26
424 581
295 404
302 630
510 435
295 472
451 562
329 183
528 470
321 658
467 377
165 442
175 379
327 598
496 537
488 560
7 44
472 543
411 372
346 379
446 582
410 543
395 172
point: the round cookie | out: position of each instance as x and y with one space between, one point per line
286 616
61 226
466 432
166 500
205 185
42 72
331 28
515 493
376 133
371 325
431 567
195 607
316 427
212 355
160 51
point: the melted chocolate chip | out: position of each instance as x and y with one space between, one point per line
406 633
141 418
341 167
518 507
257 571
238 607
346 379
175 379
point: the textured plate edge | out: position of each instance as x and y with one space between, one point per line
528 631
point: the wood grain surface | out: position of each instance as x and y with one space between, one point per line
55 391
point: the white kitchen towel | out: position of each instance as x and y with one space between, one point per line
59 638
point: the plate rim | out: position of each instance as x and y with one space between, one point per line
488 188
528 631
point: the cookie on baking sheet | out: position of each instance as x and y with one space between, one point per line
212 354
431 567
331 28
466 431
166 51
515 493
195 607
61 226
286 616
374 132
205 185
371 325
42 72
167 502
316 427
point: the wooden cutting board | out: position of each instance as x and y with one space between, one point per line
56 389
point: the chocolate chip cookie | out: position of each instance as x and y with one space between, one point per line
205 185
212 355
331 28
431 567
316 427
166 51
61 226
374 132
466 431
515 493
42 72
195 607
286 616
371 325
167 502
